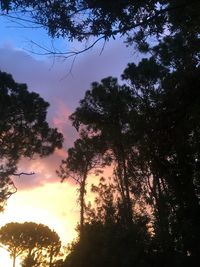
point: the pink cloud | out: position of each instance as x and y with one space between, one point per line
60 118
63 92
62 153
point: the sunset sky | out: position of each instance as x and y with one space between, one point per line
42 198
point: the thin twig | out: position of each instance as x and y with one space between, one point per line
65 54
23 173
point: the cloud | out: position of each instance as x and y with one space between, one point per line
60 120
63 90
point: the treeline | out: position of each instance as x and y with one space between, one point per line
147 130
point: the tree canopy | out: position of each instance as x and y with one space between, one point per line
81 19
35 243
151 130
135 20
24 131
150 126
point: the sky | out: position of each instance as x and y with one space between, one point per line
62 82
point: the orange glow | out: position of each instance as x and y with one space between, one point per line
5 259
43 199
53 204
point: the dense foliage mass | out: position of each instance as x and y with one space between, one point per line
83 19
147 130
36 244
24 130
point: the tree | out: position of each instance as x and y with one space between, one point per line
53 249
105 113
82 159
24 130
41 244
7 188
153 133
135 20
104 233
10 237
35 243
169 128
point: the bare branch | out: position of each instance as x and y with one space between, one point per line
69 175
22 19
64 54
23 173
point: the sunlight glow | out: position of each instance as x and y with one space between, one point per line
54 205
5 258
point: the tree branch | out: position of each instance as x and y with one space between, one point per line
23 173
65 54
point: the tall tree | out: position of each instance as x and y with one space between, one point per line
105 112
158 129
82 159
168 129
24 130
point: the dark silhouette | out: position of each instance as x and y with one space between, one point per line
148 214
83 159
104 20
35 243
24 131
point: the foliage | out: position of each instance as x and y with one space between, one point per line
29 261
10 237
149 127
35 243
104 111
24 130
100 240
152 133
106 242
82 159
82 19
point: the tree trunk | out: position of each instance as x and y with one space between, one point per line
82 205
125 182
14 259
51 257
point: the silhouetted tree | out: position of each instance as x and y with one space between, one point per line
105 112
82 159
10 237
35 243
107 242
24 130
168 127
135 20
153 133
